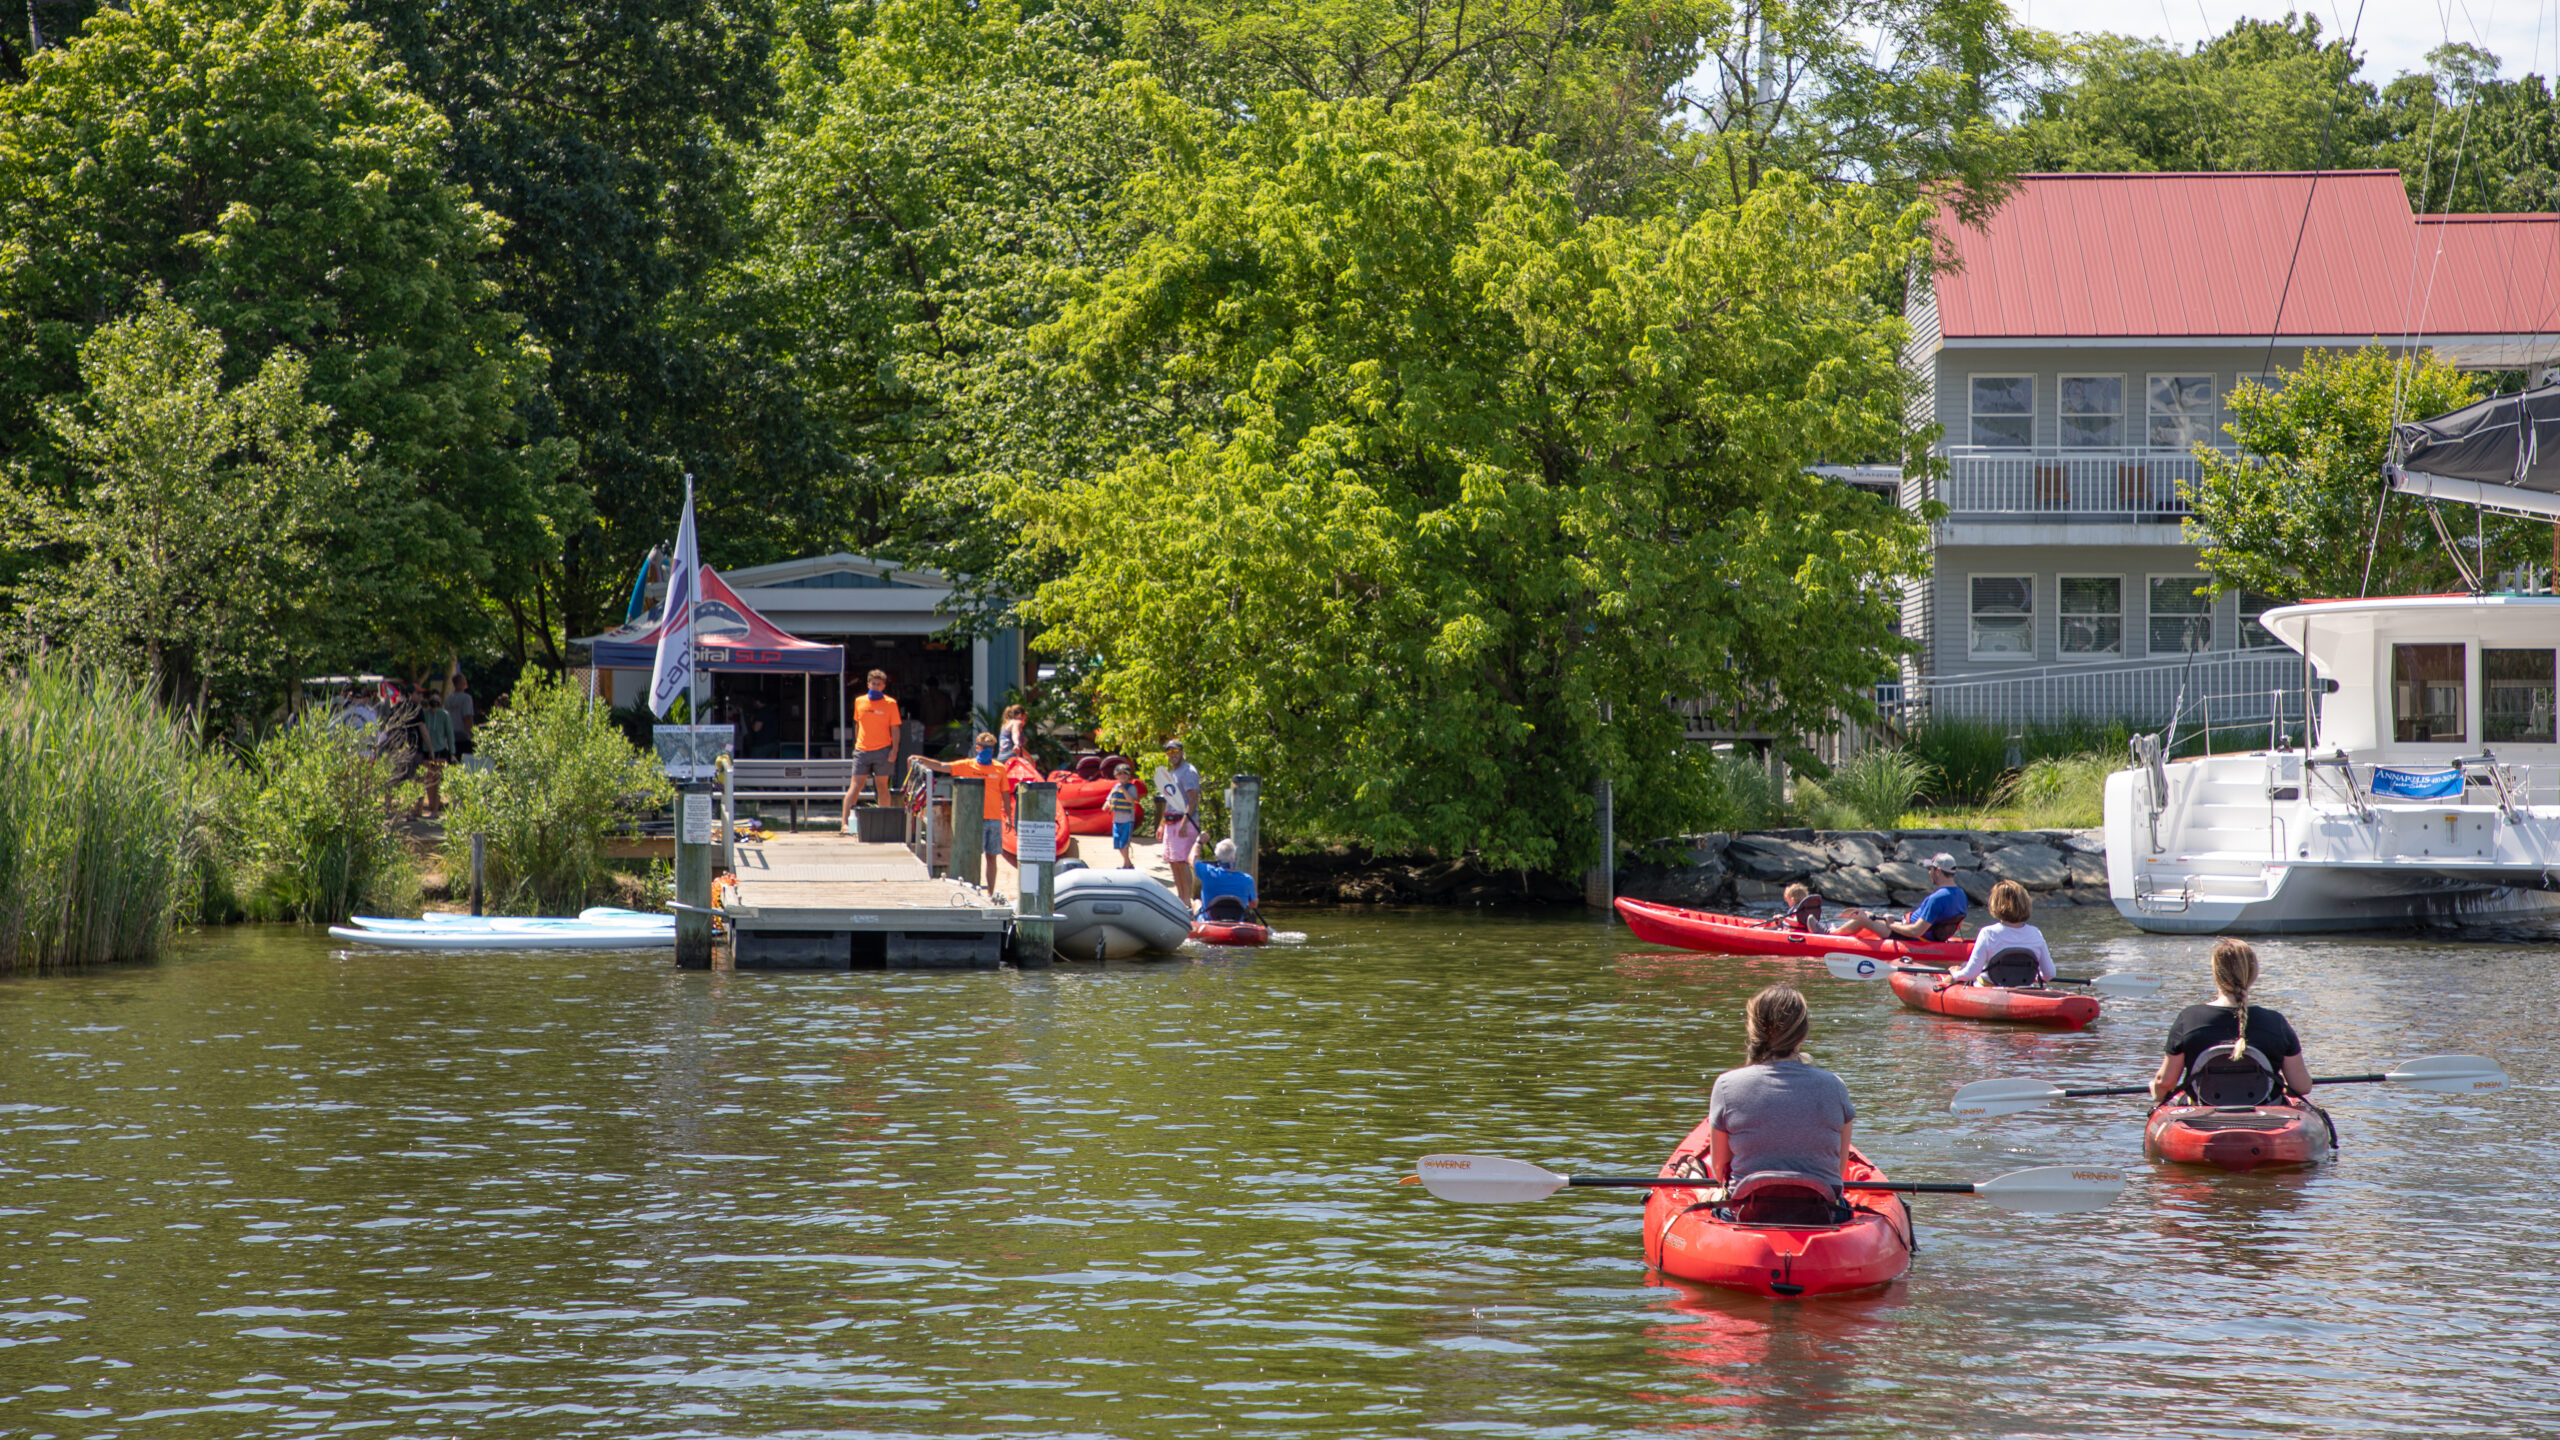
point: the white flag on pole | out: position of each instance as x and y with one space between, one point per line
673 675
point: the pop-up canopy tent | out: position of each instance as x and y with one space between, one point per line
2502 453
728 635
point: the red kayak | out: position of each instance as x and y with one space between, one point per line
1684 1239
2018 1005
1229 932
1740 935
2239 1137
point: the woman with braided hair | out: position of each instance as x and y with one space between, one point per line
2223 1035
1778 1115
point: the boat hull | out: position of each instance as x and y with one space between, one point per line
1714 934
1686 1242
2239 1137
2050 1008
1116 914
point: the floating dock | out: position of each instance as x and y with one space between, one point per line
831 902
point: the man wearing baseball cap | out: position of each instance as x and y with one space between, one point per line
1177 794
1938 916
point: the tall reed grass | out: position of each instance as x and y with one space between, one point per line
312 828
107 806
1870 791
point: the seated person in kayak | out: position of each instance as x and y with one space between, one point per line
1938 916
1778 1128
1226 893
2008 951
2222 1058
1803 912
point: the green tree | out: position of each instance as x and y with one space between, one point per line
2264 95
2291 515
1497 481
2467 141
268 168
194 543
609 138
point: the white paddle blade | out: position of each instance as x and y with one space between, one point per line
2053 1189
2002 1097
2129 986
2451 1074
1486 1179
1857 967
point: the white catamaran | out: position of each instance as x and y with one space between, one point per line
2428 788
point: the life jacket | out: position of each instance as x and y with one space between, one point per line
2016 965
2214 1078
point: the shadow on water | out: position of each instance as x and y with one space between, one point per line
268 1188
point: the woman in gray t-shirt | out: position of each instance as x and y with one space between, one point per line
1777 1115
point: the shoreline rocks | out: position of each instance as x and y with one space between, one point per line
1871 868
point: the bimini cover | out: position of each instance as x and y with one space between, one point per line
727 635
2506 440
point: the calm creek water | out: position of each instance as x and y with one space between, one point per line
268 1188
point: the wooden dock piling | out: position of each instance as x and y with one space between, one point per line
968 825
1035 852
1244 823
694 852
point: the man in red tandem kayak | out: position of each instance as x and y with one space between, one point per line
1778 1128
1938 916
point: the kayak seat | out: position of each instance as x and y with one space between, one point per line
2218 1080
1228 909
1783 1200
2014 966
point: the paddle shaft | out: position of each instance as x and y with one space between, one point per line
2145 1089
1658 1182
1943 970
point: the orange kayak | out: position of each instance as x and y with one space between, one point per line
2239 1137
2017 1005
1740 935
1684 1240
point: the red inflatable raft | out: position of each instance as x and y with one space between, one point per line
1229 932
2019 1006
2239 1137
1684 1240
1741 935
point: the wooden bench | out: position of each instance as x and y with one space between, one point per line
795 782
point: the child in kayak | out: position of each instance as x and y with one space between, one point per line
2008 930
2215 1039
1803 912
1778 1117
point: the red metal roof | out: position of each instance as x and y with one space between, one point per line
2208 255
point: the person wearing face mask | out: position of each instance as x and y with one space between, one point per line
982 764
875 743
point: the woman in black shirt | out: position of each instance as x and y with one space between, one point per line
2200 1029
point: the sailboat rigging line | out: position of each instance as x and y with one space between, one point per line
2275 325
2435 517
2381 502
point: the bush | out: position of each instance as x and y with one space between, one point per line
1971 757
313 827
1739 793
561 777
106 809
2065 793
1868 792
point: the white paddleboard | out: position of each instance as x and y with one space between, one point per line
447 937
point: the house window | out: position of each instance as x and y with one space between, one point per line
2516 697
2254 635
2092 615
2093 412
2004 411
2181 412
2181 616
2004 617
2427 684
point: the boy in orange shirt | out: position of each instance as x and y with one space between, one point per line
875 743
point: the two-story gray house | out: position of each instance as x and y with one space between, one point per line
2079 344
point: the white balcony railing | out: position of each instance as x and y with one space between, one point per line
2118 485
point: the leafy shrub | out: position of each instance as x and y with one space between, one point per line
561 777
314 826
1868 792
2065 793
1737 792
1971 757
106 810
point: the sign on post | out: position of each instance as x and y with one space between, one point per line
1035 841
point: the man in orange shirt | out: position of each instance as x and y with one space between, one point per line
875 743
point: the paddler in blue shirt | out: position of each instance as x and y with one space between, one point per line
1937 917
1226 893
